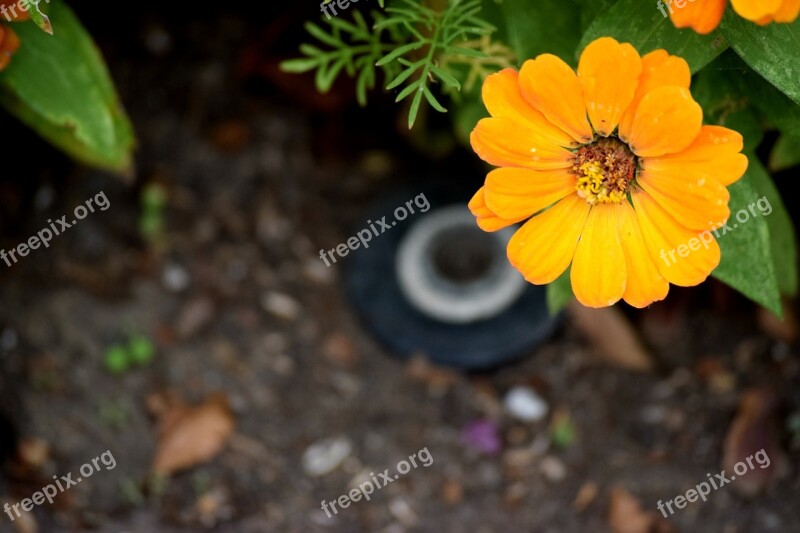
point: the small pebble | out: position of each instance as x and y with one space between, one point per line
553 469
281 305
325 456
524 404
175 278
403 512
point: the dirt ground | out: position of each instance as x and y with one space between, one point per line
259 176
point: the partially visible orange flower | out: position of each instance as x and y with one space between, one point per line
9 43
703 16
611 167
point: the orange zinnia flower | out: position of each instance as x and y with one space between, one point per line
9 42
612 166
703 16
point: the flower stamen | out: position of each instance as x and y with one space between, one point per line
604 170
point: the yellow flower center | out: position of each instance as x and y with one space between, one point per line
604 171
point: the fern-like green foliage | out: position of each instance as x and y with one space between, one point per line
414 46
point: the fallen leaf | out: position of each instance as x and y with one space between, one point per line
189 436
33 452
627 516
586 495
612 335
754 435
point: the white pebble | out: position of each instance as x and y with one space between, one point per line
524 404
325 456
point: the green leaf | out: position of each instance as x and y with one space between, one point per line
591 9
446 77
783 241
640 23
785 154
320 34
773 50
432 100
559 293
39 18
542 26
397 52
60 87
414 109
403 76
778 108
299 65
718 92
408 90
747 262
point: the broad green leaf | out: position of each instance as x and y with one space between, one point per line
783 241
542 26
718 93
773 50
747 263
559 293
779 109
590 10
59 86
785 154
640 23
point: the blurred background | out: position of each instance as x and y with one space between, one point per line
193 331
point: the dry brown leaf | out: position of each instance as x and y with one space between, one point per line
627 516
612 335
586 495
189 436
754 429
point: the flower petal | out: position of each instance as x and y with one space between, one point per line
659 69
503 98
552 87
543 247
788 11
697 202
667 121
683 256
703 16
609 73
504 143
645 285
519 192
599 271
713 154
756 9
487 220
